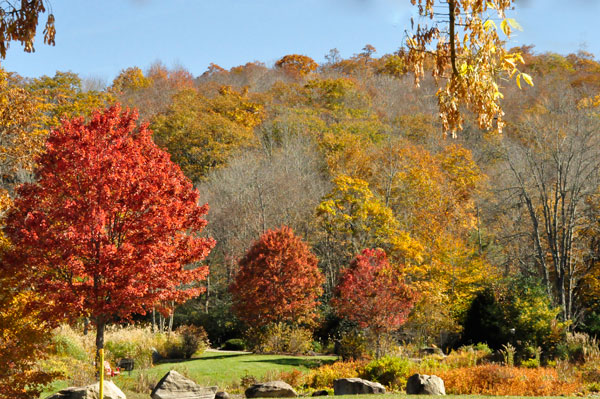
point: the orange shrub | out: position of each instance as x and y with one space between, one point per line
324 376
294 377
492 379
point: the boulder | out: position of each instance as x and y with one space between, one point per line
111 391
173 385
271 389
422 384
322 392
221 395
356 386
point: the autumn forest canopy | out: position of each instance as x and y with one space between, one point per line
337 201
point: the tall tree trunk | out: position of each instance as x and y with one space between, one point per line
153 319
171 316
206 303
100 328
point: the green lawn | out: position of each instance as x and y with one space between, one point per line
225 369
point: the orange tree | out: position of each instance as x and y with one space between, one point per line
372 293
278 281
109 224
24 337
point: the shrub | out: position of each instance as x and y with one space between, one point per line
193 339
281 338
520 313
468 356
248 380
66 342
491 379
581 348
173 347
352 346
530 363
390 371
132 342
299 341
234 344
432 364
295 377
317 347
324 376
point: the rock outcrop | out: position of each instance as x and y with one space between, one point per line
356 386
174 386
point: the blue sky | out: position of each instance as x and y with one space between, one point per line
97 39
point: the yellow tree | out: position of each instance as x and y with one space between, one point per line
64 97
351 219
22 134
201 133
130 79
432 198
468 55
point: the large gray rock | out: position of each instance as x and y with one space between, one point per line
271 389
175 386
356 386
422 384
111 391
222 395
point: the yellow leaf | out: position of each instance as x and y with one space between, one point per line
513 22
519 80
510 61
505 28
527 78
489 23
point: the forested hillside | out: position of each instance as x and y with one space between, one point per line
351 155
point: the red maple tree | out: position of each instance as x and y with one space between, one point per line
372 293
109 224
278 280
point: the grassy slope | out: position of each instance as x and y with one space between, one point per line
226 369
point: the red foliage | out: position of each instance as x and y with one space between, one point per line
278 280
372 293
107 228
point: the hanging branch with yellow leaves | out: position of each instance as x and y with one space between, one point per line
469 66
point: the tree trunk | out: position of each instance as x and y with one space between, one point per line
451 15
153 319
100 328
171 316
206 303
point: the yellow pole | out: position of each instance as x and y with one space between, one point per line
101 374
